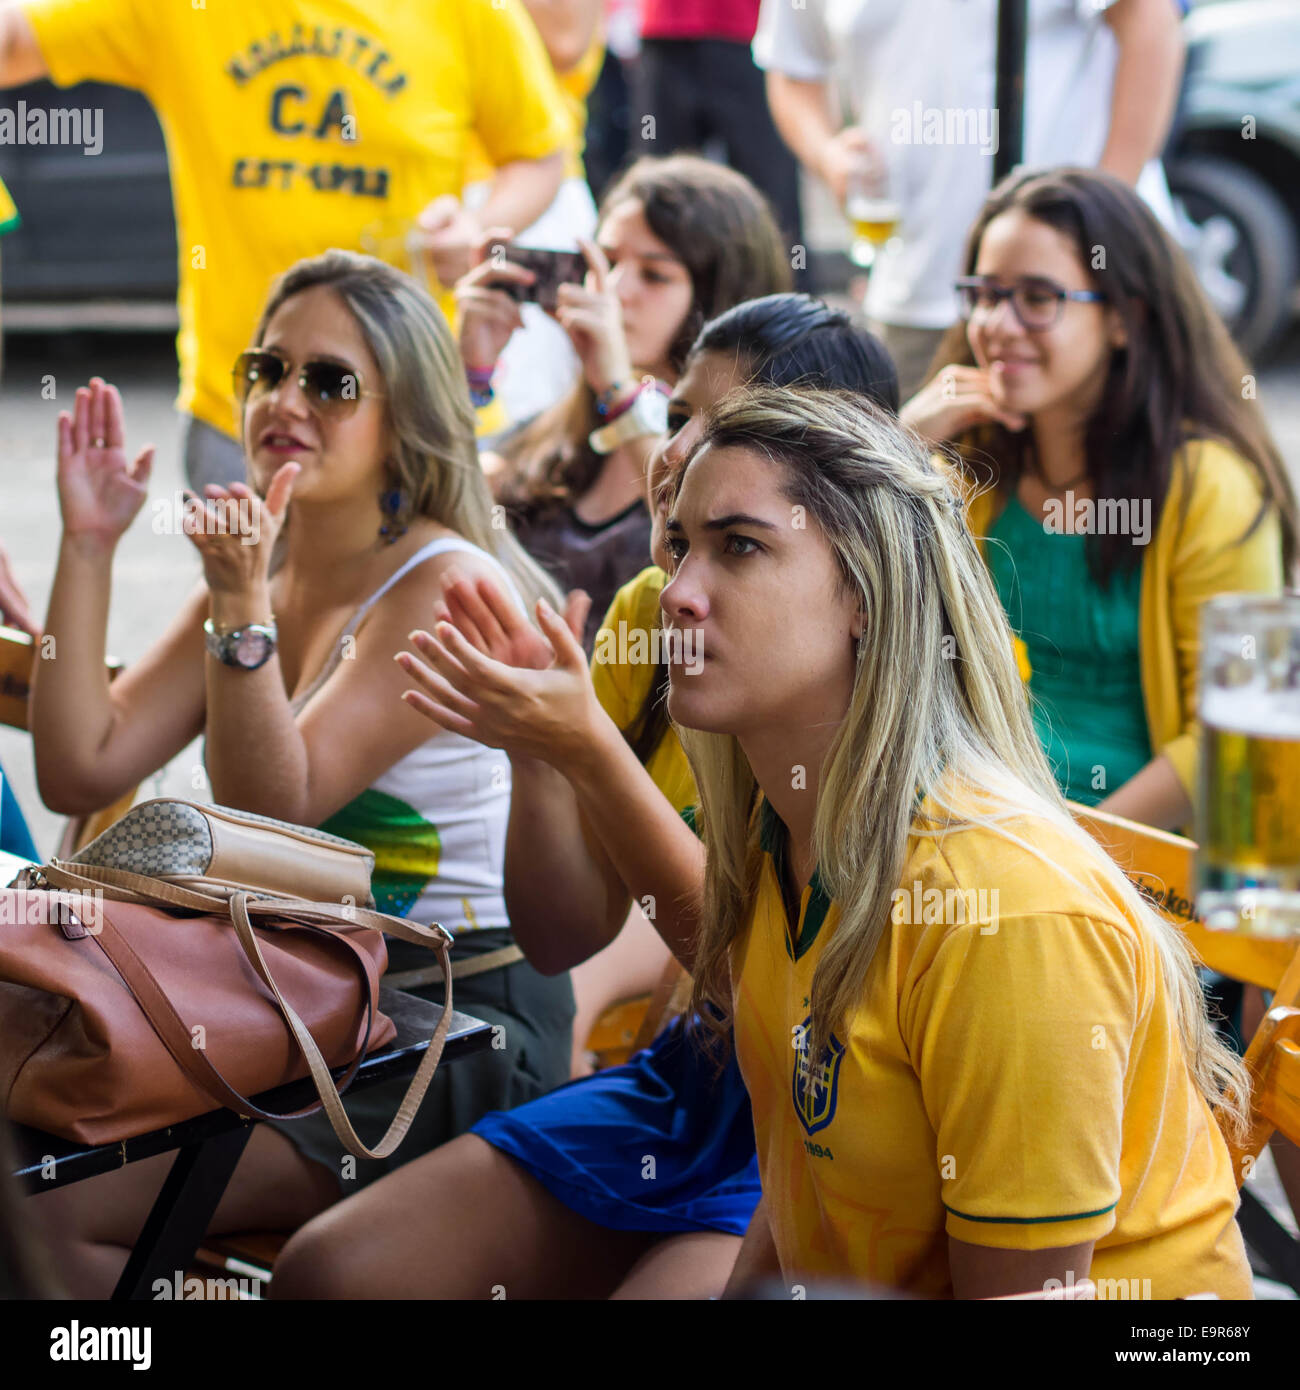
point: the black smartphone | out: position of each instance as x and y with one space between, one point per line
552 269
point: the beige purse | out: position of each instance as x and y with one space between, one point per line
214 849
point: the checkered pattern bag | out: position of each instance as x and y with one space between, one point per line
217 849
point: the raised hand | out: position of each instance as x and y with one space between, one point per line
100 492
956 400
593 318
447 233
234 531
479 609
488 316
547 715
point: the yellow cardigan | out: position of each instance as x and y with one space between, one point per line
1186 564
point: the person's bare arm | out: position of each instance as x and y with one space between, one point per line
567 28
654 853
1154 796
521 192
979 1271
565 899
757 1259
1147 74
568 908
21 60
801 112
94 741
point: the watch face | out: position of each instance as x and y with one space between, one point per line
252 649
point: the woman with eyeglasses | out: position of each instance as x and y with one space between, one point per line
366 493
1132 474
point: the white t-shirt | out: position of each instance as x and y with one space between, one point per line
919 75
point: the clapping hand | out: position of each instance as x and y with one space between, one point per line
542 712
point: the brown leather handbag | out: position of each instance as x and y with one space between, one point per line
130 1002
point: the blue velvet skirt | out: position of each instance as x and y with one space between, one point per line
662 1143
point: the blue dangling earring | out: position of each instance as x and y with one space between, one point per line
393 505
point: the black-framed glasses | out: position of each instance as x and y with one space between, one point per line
1036 302
329 387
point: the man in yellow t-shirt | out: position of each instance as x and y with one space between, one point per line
1014 1078
294 126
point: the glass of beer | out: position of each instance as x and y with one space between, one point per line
871 207
1248 811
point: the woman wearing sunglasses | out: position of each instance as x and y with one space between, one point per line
679 241
366 492
1132 474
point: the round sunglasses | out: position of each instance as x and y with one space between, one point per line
1038 304
329 387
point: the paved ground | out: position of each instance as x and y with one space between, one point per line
152 571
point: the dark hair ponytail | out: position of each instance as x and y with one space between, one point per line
781 340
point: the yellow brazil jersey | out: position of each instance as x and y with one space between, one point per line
1013 1078
9 218
294 126
623 665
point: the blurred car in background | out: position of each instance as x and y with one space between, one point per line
1233 163
97 245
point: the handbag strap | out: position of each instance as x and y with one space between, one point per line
240 907
320 1072
175 1035
460 969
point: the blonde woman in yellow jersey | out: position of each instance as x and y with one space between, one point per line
977 1060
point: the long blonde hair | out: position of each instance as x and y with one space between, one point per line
937 705
435 462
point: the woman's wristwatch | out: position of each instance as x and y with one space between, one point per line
646 413
246 647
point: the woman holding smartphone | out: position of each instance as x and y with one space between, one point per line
678 241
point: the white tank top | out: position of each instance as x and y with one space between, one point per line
436 820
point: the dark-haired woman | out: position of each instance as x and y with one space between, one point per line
641 1180
1133 475
679 240
1133 478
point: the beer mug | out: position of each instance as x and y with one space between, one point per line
1248 806
871 207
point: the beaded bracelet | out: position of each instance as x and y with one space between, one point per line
479 380
607 396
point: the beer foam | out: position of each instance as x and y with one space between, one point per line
1249 709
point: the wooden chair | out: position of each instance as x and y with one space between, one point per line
18 656
1163 867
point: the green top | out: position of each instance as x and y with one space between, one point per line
1083 648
